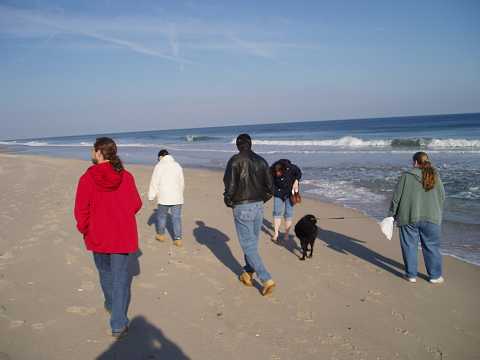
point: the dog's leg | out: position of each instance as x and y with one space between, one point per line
311 248
304 249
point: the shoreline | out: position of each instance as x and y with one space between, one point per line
4 150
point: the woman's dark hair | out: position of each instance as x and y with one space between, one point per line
279 167
244 142
163 153
429 174
108 148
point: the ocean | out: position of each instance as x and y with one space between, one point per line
355 163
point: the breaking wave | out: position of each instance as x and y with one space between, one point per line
350 141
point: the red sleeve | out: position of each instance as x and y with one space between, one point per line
136 201
82 204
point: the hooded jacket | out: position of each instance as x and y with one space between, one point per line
412 203
105 208
167 183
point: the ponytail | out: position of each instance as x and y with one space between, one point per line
108 149
429 174
116 163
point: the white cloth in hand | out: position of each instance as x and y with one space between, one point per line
387 227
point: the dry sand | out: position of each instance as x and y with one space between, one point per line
348 302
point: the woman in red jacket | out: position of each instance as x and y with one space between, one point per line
105 207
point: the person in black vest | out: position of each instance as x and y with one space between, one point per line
286 178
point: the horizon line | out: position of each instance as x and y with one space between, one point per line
234 125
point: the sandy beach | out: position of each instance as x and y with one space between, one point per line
348 302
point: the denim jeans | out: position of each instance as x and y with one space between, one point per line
282 208
248 222
176 213
429 236
115 281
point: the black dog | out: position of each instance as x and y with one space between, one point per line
307 231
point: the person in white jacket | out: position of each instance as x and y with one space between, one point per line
167 186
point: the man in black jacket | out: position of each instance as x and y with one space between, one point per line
248 184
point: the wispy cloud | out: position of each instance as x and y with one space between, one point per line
163 36
62 24
254 48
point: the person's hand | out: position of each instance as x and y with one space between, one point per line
295 187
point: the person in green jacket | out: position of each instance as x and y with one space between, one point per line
417 206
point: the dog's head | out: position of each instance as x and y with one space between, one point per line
311 218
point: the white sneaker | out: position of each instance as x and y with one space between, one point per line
410 279
439 280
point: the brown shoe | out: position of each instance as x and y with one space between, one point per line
161 237
178 242
268 287
246 278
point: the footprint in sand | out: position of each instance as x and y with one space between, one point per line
373 296
6 255
436 352
38 326
81 310
398 315
70 259
16 323
306 316
216 284
310 296
42 326
180 265
147 286
272 299
87 271
87 285
402 331
30 240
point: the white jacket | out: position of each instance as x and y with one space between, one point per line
167 183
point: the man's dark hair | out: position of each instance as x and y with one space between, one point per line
244 142
162 153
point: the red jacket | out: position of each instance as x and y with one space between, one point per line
105 208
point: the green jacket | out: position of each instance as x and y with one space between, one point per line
411 203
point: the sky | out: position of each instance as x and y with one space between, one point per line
83 67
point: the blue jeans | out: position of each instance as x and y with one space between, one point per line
282 208
176 213
115 281
248 222
429 236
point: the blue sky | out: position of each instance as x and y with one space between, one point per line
76 67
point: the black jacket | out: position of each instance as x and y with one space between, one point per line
283 184
247 179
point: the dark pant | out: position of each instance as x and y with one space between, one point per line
429 236
115 282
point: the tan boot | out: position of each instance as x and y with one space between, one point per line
161 237
246 278
178 242
268 287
